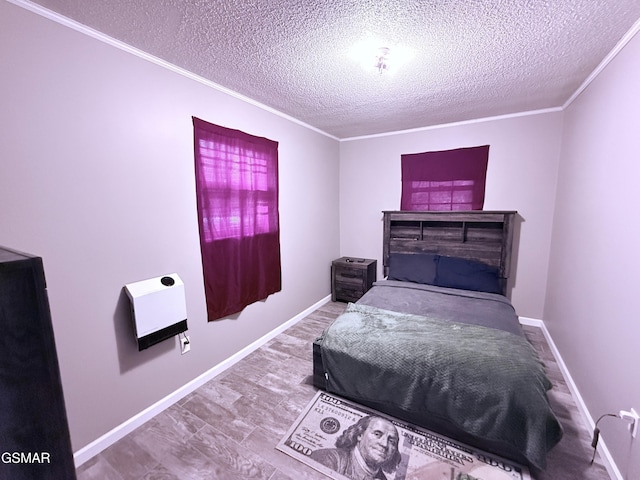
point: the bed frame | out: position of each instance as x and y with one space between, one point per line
481 236
485 236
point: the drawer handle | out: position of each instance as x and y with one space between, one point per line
349 275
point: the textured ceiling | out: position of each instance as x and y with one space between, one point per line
472 59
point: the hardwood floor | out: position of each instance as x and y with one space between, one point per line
229 427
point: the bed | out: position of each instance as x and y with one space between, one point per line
438 343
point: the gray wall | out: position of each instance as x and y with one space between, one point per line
521 175
592 296
97 178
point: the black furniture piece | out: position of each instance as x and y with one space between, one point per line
351 277
34 434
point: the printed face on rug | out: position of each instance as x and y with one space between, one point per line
378 443
363 451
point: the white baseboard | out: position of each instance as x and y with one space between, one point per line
607 459
109 438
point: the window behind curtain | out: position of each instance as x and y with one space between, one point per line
444 180
237 195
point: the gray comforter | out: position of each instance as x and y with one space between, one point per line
486 382
463 306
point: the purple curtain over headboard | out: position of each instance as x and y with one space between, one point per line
444 180
237 194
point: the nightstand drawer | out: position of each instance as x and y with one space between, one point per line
345 293
351 277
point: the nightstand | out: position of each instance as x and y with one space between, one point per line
351 277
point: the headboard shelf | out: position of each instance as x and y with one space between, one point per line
462 231
484 236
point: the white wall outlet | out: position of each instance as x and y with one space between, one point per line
633 419
633 428
185 344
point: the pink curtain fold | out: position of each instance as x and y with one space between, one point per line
444 180
237 195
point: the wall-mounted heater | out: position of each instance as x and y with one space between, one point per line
159 309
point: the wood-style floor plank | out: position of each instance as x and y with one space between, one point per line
229 427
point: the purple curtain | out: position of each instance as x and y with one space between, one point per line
237 195
445 180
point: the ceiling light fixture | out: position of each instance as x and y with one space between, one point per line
386 59
382 59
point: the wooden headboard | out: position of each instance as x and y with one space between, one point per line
484 236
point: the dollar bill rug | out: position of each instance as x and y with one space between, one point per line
346 441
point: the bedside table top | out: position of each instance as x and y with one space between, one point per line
354 261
